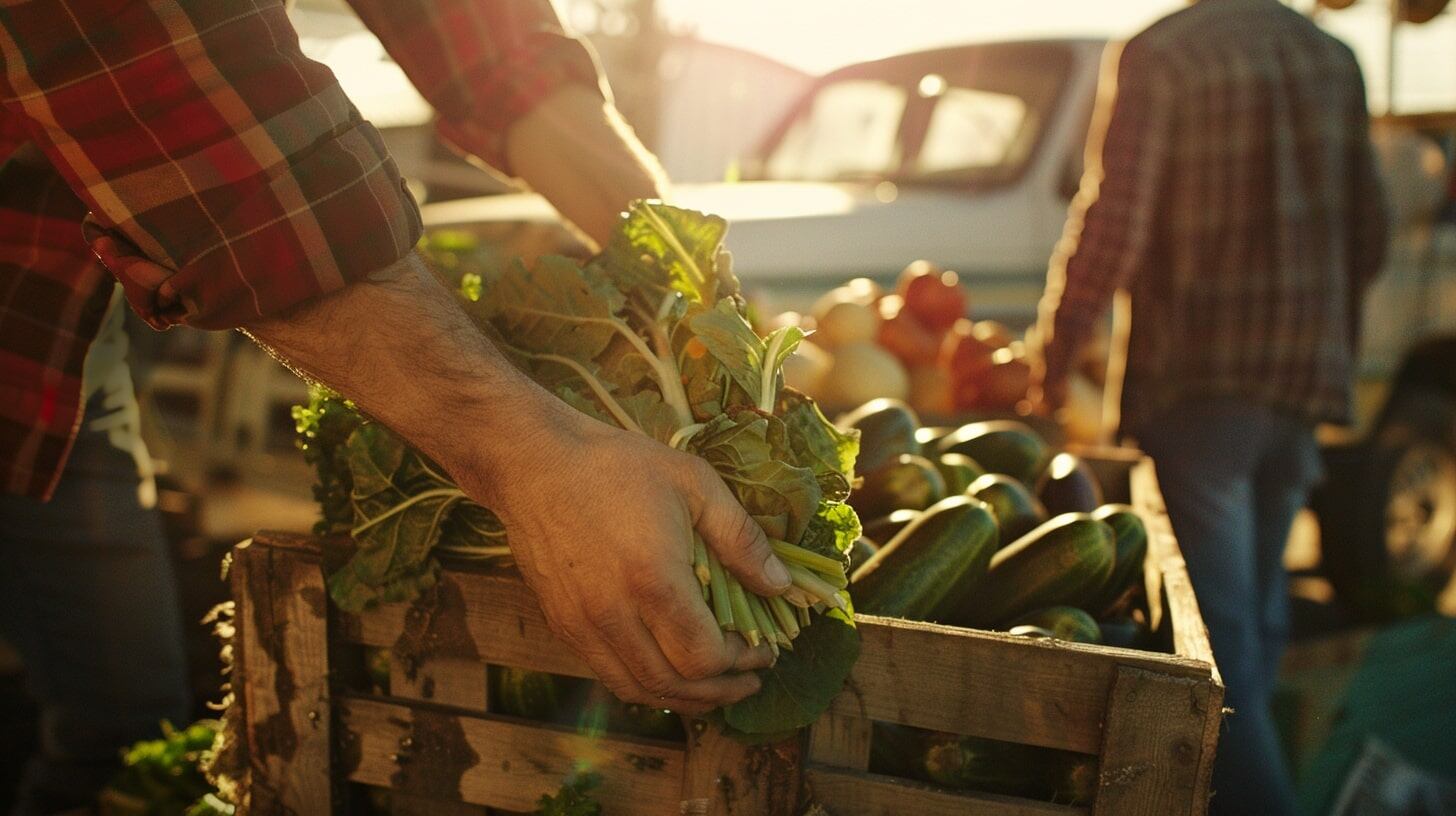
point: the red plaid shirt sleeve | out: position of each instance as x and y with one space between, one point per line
1110 224
200 137
482 64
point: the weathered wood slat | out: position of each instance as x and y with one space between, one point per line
501 617
283 662
434 752
724 777
841 741
863 794
990 684
1155 748
452 681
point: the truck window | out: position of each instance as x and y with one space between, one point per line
849 131
972 128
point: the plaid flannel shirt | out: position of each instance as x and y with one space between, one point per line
1231 188
198 135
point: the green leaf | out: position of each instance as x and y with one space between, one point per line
574 798
731 341
657 249
396 527
832 531
554 307
739 448
819 445
800 686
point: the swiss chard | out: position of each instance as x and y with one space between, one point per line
651 337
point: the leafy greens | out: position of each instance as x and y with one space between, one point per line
649 336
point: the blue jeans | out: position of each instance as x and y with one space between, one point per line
1234 475
88 597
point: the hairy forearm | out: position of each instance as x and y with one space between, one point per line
400 347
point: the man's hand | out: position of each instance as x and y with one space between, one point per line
575 149
600 522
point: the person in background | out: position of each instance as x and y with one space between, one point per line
226 181
1232 191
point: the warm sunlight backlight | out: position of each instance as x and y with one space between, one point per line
932 85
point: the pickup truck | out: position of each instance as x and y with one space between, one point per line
969 155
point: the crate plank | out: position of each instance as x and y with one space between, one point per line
452 681
724 777
863 794
433 751
502 618
990 684
1156 749
841 741
283 663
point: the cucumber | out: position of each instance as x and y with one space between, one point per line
523 693
1065 562
1010 769
1068 485
1126 633
958 470
643 721
927 571
1017 511
862 550
927 437
1000 446
1131 550
910 482
885 528
886 430
1064 623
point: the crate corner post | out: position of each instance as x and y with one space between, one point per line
281 677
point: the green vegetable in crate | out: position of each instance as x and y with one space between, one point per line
1000 446
1132 548
1017 511
649 336
886 430
1064 623
993 766
927 437
863 550
909 482
885 528
1068 485
377 665
645 721
164 776
898 750
929 569
1125 632
574 798
958 470
524 693
1066 561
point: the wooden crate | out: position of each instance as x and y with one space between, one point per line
1150 718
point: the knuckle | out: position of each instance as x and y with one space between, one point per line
659 685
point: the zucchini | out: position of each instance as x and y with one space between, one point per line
928 570
1017 511
1068 485
523 693
927 437
643 721
1000 446
886 430
909 482
885 528
958 470
1065 562
1064 623
861 551
1131 550
1010 769
1126 632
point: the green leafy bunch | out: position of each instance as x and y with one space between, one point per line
649 336
164 777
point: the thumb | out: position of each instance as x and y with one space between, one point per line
731 533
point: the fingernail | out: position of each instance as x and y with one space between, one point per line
776 572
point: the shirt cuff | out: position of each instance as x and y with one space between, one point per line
335 215
479 113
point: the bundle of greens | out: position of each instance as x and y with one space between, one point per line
164 777
649 336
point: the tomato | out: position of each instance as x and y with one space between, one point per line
962 354
903 336
935 297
